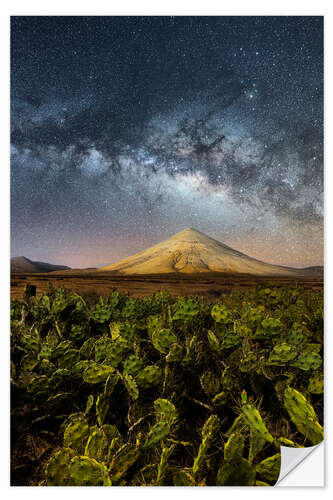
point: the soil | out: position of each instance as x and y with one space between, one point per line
205 284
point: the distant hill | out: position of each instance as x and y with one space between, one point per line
313 270
24 265
191 251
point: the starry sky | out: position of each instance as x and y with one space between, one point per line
126 130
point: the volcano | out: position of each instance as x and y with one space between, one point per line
191 252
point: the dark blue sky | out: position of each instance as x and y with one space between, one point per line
125 130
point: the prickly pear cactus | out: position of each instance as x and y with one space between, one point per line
150 375
76 434
269 468
69 358
125 457
165 411
209 432
102 407
157 432
221 314
231 339
132 365
57 470
183 478
111 383
131 386
97 445
257 443
316 383
185 310
102 345
236 474
90 404
249 362
101 313
86 471
210 383
303 415
87 349
220 399
96 373
117 352
127 332
163 465
234 448
253 419
154 322
213 341
163 339
308 361
175 354
282 354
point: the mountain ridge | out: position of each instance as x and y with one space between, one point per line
24 265
191 251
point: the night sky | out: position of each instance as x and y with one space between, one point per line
126 130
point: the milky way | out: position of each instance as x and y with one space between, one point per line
125 130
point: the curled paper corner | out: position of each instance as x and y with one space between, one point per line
302 466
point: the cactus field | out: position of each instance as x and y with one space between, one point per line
161 391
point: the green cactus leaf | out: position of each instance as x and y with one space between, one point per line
316 383
208 432
97 445
183 478
150 375
213 341
231 339
87 471
90 404
303 415
76 434
236 474
132 365
96 373
123 459
165 411
127 332
87 349
176 353
163 339
308 361
131 386
110 383
253 419
117 352
269 468
234 448
163 465
221 314
221 399
69 358
102 407
257 443
156 433
102 345
185 310
210 383
57 470
282 354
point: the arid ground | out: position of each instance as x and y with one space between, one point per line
205 284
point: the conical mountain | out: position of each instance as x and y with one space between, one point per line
193 252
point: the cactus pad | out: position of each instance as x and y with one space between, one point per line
303 415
